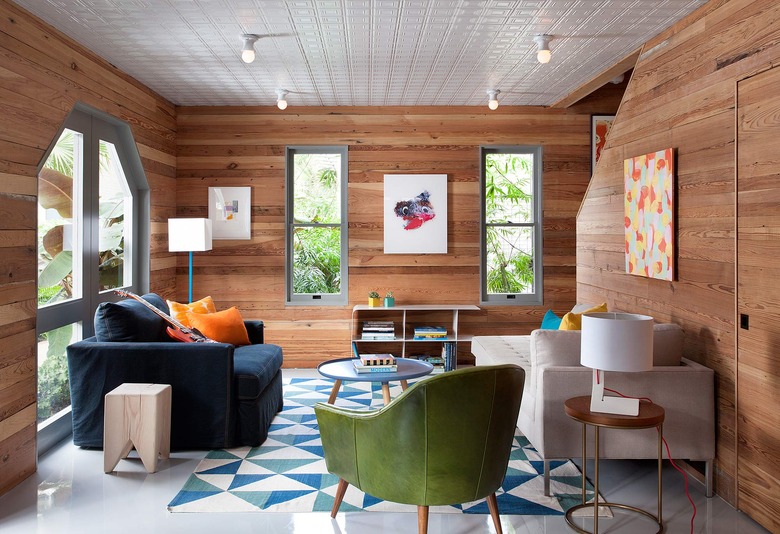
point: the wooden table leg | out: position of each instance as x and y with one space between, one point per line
404 385
334 392
386 393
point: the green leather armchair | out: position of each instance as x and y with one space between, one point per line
445 440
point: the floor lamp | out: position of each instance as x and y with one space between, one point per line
189 235
615 342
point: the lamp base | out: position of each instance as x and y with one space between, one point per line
615 405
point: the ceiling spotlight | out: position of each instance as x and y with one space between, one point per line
281 98
493 95
543 48
248 52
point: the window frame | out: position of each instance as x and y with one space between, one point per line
315 299
95 125
535 297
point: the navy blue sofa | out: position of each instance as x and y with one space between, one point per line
223 396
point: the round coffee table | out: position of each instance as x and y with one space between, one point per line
344 370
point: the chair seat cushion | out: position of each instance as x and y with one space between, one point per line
130 321
254 367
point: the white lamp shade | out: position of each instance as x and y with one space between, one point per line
185 235
617 342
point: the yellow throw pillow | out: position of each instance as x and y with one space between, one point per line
573 321
226 326
179 311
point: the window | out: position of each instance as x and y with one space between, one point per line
511 240
92 197
316 225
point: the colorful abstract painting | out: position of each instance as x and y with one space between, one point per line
649 214
600 125
415 213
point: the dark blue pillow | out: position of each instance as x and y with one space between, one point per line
550 321
130 321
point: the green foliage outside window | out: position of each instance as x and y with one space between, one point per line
53 385
317 214
509 200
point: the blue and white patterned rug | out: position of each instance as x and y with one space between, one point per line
287 473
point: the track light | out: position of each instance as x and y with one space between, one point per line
493 95
248 51
281 98
543 48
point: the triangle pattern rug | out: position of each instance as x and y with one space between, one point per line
287 473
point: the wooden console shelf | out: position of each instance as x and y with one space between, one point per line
410 315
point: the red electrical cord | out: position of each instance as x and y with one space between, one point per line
668 451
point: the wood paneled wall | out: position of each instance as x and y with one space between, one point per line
42 75
246 146
682 95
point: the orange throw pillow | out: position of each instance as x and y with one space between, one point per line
179 311
225 326
573 321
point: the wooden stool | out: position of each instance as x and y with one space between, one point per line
137 415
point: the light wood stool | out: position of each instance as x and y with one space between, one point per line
137 415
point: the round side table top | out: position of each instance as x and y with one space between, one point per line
650 415
343 369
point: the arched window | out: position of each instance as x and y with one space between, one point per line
93 237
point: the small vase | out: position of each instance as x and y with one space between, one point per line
389 302
375 303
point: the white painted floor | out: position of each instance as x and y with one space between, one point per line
71 494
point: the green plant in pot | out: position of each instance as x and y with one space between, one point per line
373 299
389 300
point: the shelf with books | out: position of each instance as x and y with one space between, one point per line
431 328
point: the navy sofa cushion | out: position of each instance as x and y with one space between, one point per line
130 321
254 367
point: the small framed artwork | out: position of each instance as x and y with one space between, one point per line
649 214
415 213
230 211
600 125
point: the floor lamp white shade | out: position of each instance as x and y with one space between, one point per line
615 342
188 235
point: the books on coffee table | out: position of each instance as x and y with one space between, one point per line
361 368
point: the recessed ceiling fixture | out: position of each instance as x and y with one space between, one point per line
281 98
543 48
248 52
493 98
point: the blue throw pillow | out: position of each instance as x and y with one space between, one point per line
550 321
130 321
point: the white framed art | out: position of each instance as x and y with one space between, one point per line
415 213
230 212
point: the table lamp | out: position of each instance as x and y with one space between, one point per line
188 235
615 342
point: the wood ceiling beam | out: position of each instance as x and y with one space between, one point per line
611 73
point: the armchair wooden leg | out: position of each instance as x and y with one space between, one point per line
493 507
340 491
422 520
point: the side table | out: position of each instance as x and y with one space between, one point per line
137 415
650 416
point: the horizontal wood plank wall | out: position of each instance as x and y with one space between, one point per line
42 75
246 146
682 95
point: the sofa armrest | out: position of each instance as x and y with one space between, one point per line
200 375
686 392
255 329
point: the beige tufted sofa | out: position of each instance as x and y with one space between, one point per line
551 359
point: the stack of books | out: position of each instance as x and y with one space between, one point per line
378 331
436 361
375 363
432 333
449 353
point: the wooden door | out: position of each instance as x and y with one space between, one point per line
758 298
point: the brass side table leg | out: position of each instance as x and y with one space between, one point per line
596 484
584 460
660 479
